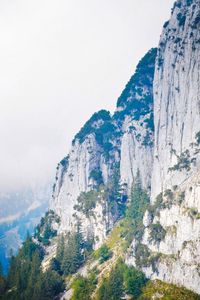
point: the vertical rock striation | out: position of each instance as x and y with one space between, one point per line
177 98
172 224
109 146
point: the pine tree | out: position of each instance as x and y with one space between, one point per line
116 283
60 248
2 281
73 256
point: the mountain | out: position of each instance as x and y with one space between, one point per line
124 219
107 149
20 212
175 177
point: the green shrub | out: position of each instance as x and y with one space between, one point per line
87 202
122 280
96 175
143 77
181 19
181 197
198 138
157 232
166 291
142 255
169 194
26 280
136 209
103 253
183 161
194 213
134 281
73 253
150 122
44 231
89 128
64 161
83 287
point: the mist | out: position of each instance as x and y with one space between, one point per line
60 62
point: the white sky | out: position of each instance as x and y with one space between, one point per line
60 61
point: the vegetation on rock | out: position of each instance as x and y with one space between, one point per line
26 280
122 280
164 291
44 231
87 202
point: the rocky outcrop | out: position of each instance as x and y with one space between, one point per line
94 181
171 237
135 108
176 98
106 148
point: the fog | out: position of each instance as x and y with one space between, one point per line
60 61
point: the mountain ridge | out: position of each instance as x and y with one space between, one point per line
129 187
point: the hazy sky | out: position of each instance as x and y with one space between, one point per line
60 61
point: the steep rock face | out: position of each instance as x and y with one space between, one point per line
171 241
136 105
74 176
177 98
106 148
136 153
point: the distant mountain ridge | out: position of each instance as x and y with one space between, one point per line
20 212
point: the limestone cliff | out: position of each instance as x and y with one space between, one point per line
176 98
154 134
172 224
109 148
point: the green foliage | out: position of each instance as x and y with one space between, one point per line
150 122
166 24
181 197
132 223
2 282
196 21
26 280
103 291
44 231
198 138
103 253
83 287
194 213
147 141
183 161
136 209
96 175
158 204
163 203
169 194
112 288
181 19
72 254
88 128
50 286
87 202
134 281
166 292
143 78
64 161
122 280
100 124
142 255
116 201
157 232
